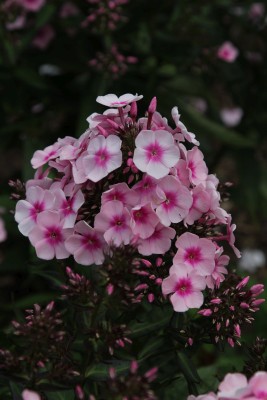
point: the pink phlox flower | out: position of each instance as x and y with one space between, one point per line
48 236
174 201
144 221
32 5
158 243
18 23
86 245
37 200
231 236
197 167
146 189
30 395
181 132
195 254
105 120
217 275
155 153
181 171
104 156
122 193
78 170
233 387
227 52
158 123
258 385
114 221
44 37
231 116
68 206
186 289
43 183
200 205
111 100
41 157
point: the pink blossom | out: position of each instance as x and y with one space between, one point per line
256 11
175 201
258 385
195 253
86 245
234 386
114 221
200 205
198 170
104 156
231 116
155 153
217 275
231 236
186 289
43 38
143 221
111 100
48 236
146 189
37 200
158 243
227 52
68 206
121 192
41 157
181 132
32 5
30 395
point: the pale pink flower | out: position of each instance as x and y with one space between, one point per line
68 206
159 242
181 132
217 275
122 193
234 386
41 157
43 38
114 221
256 11
207 396
30 395
227 52
86 245
185 288
182 172
48 236
104 156
231 236
32 5
200 205
111 100
37 200
175 201
195 253
155 153
146 189
231 116
258 385
17 23
198 170
143 221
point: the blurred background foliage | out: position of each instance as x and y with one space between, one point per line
167 49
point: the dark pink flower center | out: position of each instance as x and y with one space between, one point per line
170 200
118 222
91 242
154 152
102 157
192 256
183 287
67 207
54 235
140 215
38 207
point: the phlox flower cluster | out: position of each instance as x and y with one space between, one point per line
237 386
129 180
105 15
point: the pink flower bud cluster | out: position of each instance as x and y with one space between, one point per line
112 62
105 15
130 180
237 386
229 307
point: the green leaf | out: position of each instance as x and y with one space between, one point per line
40 298
101 371
16 390
151 347
143 328
187 368
62 395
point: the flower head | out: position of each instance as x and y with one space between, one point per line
227 52
111 100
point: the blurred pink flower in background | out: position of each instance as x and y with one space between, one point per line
231 116
32 5
227 52
43 38
68 10
256 11
30 395
3 233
